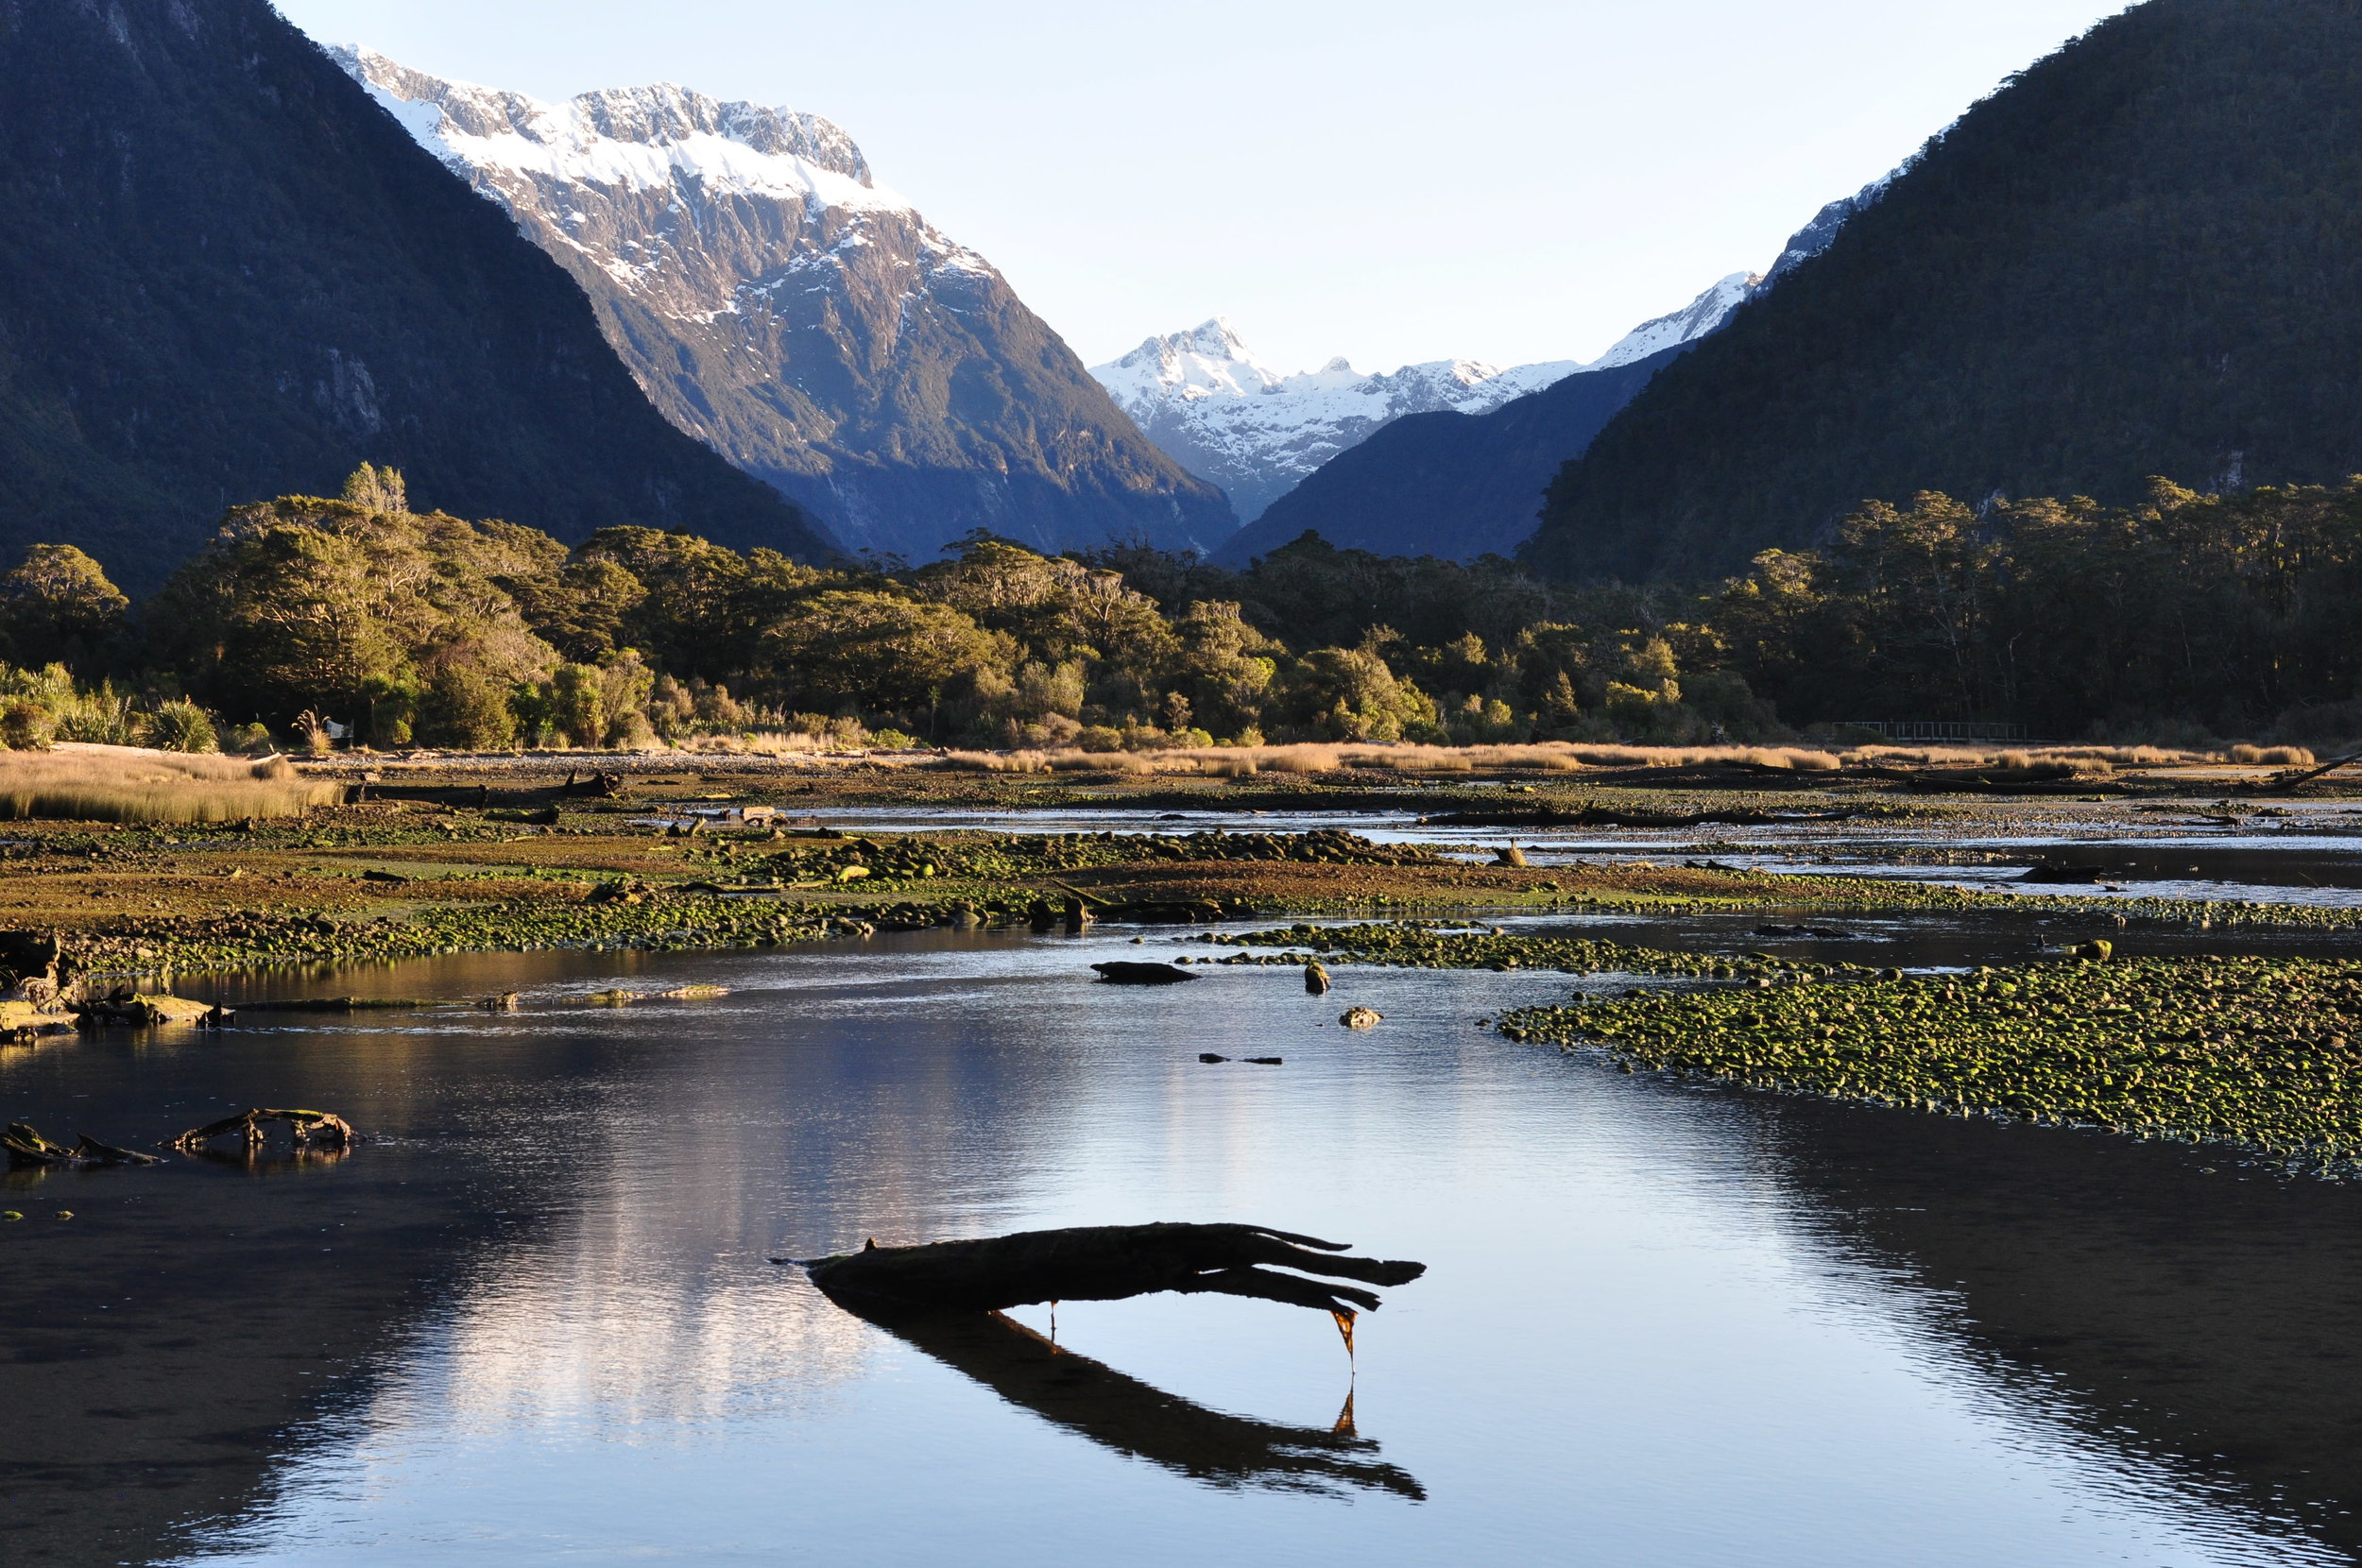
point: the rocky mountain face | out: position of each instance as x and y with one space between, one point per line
1227 415
227 276
2135 258
806 322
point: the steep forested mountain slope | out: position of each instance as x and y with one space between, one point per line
808 323
225 274
2142 256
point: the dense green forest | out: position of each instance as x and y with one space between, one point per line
2182 616
2137 257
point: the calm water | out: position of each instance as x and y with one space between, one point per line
2309 853
533 1323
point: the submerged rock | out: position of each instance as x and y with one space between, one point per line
1361 1017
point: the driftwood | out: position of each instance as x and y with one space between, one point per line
124 1006
2064 874
26 1148
1102 1263
1123 972
1137 1419
2290 780
310 1130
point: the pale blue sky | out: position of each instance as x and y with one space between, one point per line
1391 182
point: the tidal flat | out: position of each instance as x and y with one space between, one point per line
1874 1040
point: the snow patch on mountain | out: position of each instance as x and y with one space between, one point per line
635 138
1694 321
777 303
1227 415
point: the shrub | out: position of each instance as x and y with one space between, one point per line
577 704
255 740
25 726
181 726
632 732
465 708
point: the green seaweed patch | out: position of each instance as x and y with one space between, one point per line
1459 945
2254 1052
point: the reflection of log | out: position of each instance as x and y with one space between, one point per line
1101 1263
341 1004
1136 1419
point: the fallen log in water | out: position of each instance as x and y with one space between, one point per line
27 1150
310 1128
1123 972
1102 1263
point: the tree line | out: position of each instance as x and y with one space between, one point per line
308 614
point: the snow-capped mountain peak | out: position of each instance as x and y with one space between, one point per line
630 138
1694 321
777 303
1227 416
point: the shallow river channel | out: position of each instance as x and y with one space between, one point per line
534 1319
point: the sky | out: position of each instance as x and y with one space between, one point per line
1388 182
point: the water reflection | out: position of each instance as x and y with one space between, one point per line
2171 1303
1141 1421
1674 1327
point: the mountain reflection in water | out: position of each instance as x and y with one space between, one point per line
533 1319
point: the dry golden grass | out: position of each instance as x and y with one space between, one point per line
94 783
2082 762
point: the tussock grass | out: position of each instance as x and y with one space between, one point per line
2079 762
99 783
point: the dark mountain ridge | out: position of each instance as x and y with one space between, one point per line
1456 485
228 275
2139 257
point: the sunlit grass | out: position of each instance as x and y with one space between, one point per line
98 783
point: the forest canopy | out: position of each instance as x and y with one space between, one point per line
2184 616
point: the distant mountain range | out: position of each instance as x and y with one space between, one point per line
1459 485
226 275
809 324
1227 415
2139 257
